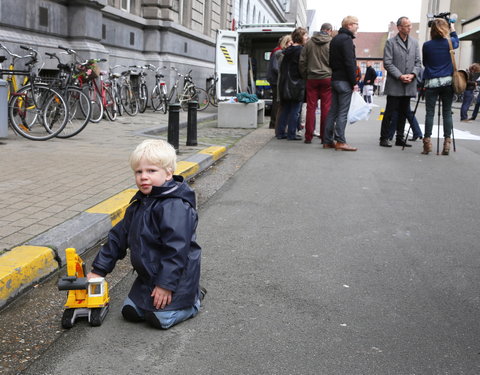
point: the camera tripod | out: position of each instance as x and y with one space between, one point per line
438 126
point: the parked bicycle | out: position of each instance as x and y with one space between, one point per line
139 85
79 105
36 112
212 89
159 97
130 102
191 92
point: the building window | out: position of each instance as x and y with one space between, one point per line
132 39
104 32
125 5
43 16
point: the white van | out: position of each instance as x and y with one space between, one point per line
242 59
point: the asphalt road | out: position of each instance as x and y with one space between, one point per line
318 262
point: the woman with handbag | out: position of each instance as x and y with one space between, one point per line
291 87
439 69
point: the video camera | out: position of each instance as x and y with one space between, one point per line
450 18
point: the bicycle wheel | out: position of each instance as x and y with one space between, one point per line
110 105
118 100
156 99
164 98
79 111
212 93
202 97
143 98
37 113
129 101
96 103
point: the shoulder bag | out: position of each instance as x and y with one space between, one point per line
459 77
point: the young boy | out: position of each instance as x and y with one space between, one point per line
159 229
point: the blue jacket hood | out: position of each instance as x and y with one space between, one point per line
174 188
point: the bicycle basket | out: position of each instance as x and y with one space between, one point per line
88 72
135 79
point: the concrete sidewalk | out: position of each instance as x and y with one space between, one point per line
69 192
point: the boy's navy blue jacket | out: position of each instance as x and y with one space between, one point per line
159 229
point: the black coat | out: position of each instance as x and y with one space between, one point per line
291 85
159 229
342 57
370 76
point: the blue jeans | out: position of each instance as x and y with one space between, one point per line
446 96
477 107
168 318
467 99
337 117
289 116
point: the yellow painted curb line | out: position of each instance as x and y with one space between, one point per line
380 117
23 265
216 151
114 206
186 168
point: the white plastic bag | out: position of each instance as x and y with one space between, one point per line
359 109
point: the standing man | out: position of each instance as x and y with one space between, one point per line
315 68
401 59
368 82
343 63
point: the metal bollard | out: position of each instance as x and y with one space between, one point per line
174 125
3 109
192 124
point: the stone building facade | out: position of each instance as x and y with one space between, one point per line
178 33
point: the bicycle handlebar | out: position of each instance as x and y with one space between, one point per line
11 53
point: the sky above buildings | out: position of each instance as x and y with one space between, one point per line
373 15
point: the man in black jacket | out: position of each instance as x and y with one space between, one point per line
343 63
368 82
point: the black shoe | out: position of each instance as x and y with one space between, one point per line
297 138
385 143
413 139
402 143
129 313
203 293
282 137
152 319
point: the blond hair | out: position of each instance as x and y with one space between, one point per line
155 151
348 20
284 43
439 29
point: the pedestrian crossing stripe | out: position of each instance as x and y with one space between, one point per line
226 54
380 117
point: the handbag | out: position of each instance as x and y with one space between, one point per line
459 77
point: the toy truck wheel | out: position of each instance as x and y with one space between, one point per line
67 318
96 318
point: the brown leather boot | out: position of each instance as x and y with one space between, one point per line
427 146
446 146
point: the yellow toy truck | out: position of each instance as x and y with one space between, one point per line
86 298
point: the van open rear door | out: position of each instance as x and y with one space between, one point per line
226 63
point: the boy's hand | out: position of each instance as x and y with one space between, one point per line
161 297
92 275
